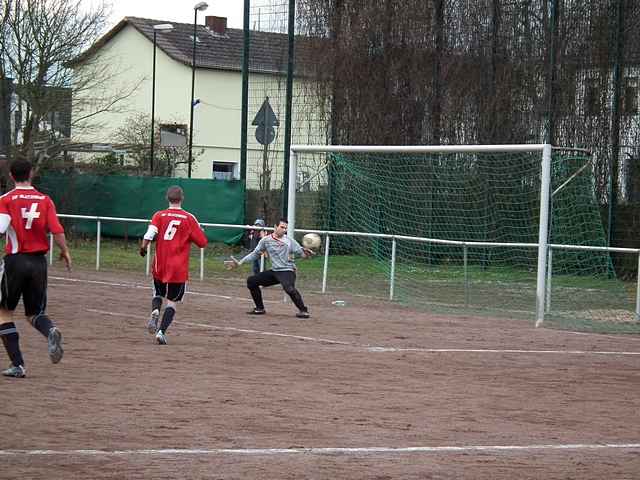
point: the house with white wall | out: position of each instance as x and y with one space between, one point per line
127 49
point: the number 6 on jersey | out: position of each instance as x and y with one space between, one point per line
171 230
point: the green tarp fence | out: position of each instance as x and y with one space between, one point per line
211 201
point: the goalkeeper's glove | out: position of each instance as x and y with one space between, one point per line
143 251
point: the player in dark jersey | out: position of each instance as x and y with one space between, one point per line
27 217
174 229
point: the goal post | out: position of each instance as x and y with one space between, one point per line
544 173
543 232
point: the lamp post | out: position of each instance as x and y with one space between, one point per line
198 7
163 27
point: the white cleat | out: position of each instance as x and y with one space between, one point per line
161 338
15 372
152 326
55 345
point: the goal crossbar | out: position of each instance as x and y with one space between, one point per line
537 147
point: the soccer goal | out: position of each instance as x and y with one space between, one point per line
474 229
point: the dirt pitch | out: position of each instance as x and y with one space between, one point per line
365 391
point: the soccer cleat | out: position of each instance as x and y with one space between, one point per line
257 311
161 338
55 345
303 314
152 326
16 372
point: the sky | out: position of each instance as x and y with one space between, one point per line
173 10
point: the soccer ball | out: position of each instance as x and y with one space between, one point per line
311 241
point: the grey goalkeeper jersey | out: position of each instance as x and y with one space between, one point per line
280 250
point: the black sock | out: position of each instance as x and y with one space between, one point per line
11 341
167 318
297 300
256 294
253 285
42 323
156 303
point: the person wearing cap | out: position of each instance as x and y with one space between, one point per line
253 237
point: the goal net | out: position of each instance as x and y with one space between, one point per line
458 229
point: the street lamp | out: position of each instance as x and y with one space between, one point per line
163 27
198 7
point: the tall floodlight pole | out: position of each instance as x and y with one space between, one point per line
245 93
199 7
163 27
289 107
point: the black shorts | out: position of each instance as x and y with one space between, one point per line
171 291
286 278
24 275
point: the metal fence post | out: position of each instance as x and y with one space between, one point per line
465 254
202 264
638 292
325 268
393 269
98 227
549 273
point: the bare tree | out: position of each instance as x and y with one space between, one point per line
415 71
40 40
134 136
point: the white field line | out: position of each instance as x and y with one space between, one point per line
488 350
148 287
271 334
326 450
372 348
233 329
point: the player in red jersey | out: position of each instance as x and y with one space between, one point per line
174 230
27 217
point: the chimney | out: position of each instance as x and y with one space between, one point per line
217 25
